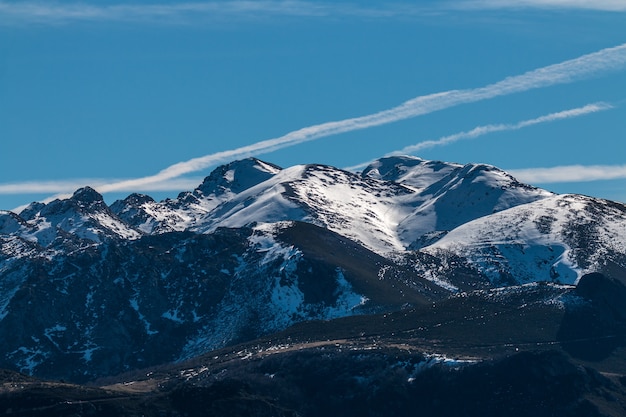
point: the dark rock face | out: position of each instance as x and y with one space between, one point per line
31 210
132 200
83 199
110 308
116 307
87 195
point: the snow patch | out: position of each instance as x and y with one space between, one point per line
173 316
10 284
27 359
135 306
229 175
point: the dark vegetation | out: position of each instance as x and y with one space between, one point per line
156 308
331 381
516 353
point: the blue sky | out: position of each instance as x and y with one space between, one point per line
151 96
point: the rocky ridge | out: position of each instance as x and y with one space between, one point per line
89 290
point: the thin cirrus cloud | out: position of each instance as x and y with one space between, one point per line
67 186
600 5
493 128
609 59
586 66
44 12
189 12
569 173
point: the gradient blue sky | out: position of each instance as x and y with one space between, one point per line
113 94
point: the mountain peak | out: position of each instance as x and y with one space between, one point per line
409 170
31 210
237 176
391 166
9 222
85 199
87 195
136 199
256 249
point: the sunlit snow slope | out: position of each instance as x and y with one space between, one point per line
558 238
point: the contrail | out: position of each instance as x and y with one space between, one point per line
492 128
609 59
586 66
483 130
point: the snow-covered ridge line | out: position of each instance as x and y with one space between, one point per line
256 248
396 204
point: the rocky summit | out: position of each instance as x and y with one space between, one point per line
312 290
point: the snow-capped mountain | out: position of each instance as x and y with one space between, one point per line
449 195
395 204
83 216
184 212
256 248
559 238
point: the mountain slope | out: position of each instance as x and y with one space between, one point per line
384 209
541 348
450 194
125 304
558 238
85 216
88 290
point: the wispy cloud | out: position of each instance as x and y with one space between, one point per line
570 173
189 12
601 5
58 12
68 186
565 72
63 189
493 128
586 66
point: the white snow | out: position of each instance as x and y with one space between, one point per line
288 304
347 299
53 333
264 202
116 226
230 175
534 239
135 306
172 315
88 353
402 202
